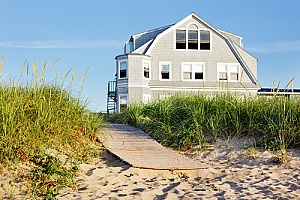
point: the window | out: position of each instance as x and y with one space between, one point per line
146 98
122 102
234 72
187 71
192 71
193 38
165 71
122 69
204 40
228 72
180 39
146 67
222 70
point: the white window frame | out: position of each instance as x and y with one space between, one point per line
119 102
160 70
228 71
146 98
193 65
119 68
146 62
187 38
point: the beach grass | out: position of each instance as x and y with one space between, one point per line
38 117
183 121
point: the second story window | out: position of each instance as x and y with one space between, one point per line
228 72
146 66
193 38
192 71
123 69
165 71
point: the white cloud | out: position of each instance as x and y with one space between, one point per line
287 46
62 44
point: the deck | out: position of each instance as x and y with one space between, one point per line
139 150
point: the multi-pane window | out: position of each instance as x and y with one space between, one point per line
146 66
165 71
228 72
122 69
192 71
193 38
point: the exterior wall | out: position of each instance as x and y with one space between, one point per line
235 39
164 50
136 86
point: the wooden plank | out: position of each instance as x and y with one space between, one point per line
139 150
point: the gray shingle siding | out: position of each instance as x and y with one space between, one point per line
234 38
158 45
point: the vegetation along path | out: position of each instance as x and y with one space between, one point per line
139 150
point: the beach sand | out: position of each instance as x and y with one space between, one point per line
233 173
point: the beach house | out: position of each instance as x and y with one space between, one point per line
188 56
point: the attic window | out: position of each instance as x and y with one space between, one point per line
180 39
193 26
193 38
204 40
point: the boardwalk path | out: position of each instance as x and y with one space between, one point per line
139 150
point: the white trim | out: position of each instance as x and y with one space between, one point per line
118 68
212 29
193 71
228 66
140 86
146 98
119 101
205 89
187 38
170 70
148 62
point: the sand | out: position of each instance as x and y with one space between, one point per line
233 173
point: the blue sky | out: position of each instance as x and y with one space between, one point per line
89 34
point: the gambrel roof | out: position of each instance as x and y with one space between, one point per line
143 43
143 38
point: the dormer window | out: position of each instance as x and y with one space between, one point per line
193 38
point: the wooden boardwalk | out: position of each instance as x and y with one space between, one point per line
139 150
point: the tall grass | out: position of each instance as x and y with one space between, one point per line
38 115
182 121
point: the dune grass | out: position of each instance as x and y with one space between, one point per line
183 121
37 117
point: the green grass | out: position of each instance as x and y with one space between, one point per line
183 121
37 115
